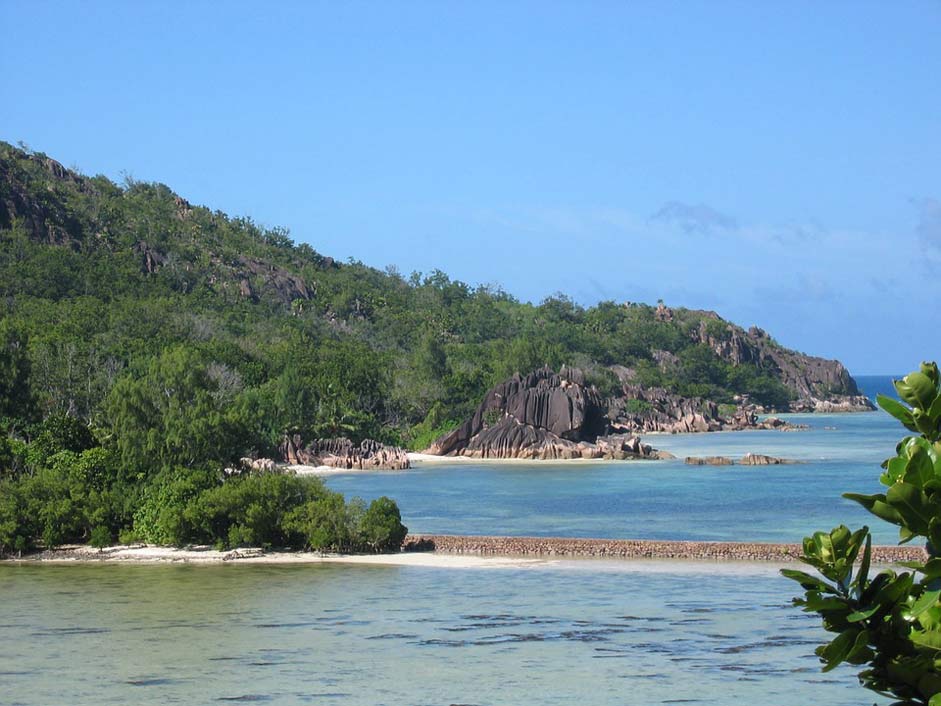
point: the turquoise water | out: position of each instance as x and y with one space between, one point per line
658 500
595 633
587 633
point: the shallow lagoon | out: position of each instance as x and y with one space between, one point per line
658 499
591 632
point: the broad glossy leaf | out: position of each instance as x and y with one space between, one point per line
807 581
815 602
930 370
894 470
926 638
927 600
835 652
858 615
917 389
877 505
839 648
892 592
918 469
860 651
897 410
912 505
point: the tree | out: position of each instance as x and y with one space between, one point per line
17 405
381 527
890 622
173 416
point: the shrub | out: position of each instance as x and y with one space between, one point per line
381 528
890 622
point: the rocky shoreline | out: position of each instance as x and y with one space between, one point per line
632 548
463 550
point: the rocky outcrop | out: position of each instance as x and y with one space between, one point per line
271 279
543 416
644 410
749 459
151 259
46 219
633 548
834 404
708 461
818 384
343 453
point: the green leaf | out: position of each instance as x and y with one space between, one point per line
926 638
894 470
919 469
935 410
926 601
816 603
860 651
917 389
912 505
932 569
839 648
876 504
897 410
807 581
858 615
862 575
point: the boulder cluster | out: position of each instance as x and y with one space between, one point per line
544 415
653 409
748 459
343 453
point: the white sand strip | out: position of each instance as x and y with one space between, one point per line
150 554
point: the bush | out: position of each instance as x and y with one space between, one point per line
381 528
892 621
160 517
252 510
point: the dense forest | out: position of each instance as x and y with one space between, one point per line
147 343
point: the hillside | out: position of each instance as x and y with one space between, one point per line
101 282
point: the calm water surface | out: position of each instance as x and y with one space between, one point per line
572 632
580 632
658 500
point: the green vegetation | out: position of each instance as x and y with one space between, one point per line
146 344
890 622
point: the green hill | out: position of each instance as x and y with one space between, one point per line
146 344
100 280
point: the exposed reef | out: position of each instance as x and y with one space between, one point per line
632 548
748 459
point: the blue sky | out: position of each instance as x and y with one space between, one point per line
777 162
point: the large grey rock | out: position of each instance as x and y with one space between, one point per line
543 415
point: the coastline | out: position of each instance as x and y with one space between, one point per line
637 549
463 551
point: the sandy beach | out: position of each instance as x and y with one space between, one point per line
481 552
152 554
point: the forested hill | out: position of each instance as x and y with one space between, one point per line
116 294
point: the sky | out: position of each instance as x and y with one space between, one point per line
777 162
